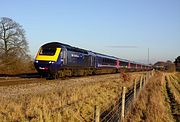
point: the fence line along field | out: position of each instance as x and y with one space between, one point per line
67 100
159 101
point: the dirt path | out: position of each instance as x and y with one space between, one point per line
173 96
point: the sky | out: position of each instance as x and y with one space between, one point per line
121 28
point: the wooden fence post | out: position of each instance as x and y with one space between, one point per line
148 75
135 89
123 104
97 114
151 73
146 78
144 82
141 83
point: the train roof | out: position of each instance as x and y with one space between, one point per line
61 45
54 45
105 56
123 60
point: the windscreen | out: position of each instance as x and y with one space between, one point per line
47 51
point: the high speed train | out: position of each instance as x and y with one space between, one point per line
59 60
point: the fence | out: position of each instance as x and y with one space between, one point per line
116 112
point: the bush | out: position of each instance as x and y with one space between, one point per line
14 65
171 67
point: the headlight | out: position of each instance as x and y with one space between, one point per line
36 61
51 62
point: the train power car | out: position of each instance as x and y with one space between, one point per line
58 60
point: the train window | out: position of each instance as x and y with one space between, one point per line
77 50
47 51
107 61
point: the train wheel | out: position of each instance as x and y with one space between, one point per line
61 73
56 76
86 73
50 76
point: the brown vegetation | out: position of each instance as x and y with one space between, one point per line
68 100
74 99
152 104
125 76
14 58
14 65
173 88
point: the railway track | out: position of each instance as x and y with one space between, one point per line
24 75
21 81
7 80
30 78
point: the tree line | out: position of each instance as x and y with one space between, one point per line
177 63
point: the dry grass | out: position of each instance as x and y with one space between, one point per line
174 94
177 77
69 100
152 104
15 67
175 87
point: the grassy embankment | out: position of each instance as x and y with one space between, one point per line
173 87
74 101
154 103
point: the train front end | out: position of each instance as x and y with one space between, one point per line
48 59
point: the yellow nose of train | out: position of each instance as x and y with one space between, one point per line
48 54
47 59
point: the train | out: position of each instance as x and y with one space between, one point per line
57 59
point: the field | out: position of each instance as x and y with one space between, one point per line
159 101
74 99
70 100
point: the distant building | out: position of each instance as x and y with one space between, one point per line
165 66
160 65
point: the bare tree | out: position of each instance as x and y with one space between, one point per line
12 39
